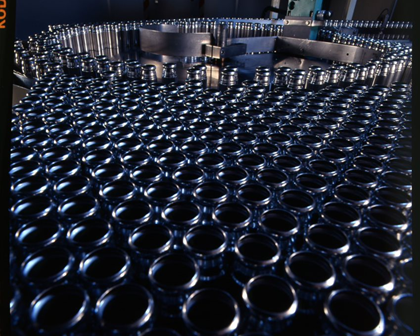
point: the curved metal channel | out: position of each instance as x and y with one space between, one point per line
173 43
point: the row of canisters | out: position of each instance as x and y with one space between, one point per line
143 208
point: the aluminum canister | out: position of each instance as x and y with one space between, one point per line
114 309
367 316
211 311
313 276
173 277
255 254
271 304
69 300
147 242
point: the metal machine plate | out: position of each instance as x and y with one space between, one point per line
173 44
256 44
325 50
224 52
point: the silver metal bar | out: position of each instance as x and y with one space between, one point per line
255 44
325 50
302 21
166 28
224 52
173 44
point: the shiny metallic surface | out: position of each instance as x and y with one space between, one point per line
58 299
114 305
222 311
180 161
255 254
371 321
272 318
402 321
378 284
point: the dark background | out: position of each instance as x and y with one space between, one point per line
32 17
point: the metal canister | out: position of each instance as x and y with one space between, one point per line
383 74
317 80
149 73
271 317
113 307
263 76
28 66
333 76
211 311
281 76
169 73
119 68
367 316
134 69
74 64
173 277
227 78
297 80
